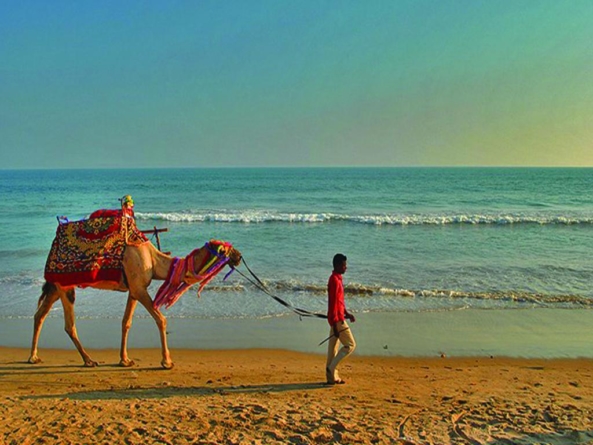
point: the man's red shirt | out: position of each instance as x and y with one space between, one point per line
336 309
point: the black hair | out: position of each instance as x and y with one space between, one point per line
339 258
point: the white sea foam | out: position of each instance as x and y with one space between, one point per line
258 217
239 299
361 290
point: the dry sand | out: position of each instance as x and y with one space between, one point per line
275 396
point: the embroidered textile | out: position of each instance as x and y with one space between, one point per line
175 285
89 251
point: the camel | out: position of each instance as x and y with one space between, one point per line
141 264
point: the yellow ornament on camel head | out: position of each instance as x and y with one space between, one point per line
127 202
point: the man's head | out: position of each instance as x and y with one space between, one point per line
339 263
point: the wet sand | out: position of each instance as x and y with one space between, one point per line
529 333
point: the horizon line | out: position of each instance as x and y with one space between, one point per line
272 167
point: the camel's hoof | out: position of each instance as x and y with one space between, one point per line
167 365
127 363
90 364
34 360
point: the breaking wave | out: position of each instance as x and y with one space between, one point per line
369 291
258 217
243 299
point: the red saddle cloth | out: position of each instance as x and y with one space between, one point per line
89 251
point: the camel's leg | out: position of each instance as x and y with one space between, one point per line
68 298
126 324
47 299
144 298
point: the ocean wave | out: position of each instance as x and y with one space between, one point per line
363 291
21 280
20 253
367 291
258 217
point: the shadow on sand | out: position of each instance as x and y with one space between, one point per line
173 391
14 369
26 368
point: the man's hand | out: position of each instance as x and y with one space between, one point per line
351 317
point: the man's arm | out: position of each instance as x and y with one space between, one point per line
331 300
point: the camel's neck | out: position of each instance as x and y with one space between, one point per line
161 264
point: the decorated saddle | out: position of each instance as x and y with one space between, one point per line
91 250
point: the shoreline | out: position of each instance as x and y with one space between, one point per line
278 396
522 333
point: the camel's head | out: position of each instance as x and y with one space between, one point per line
234 257
226 249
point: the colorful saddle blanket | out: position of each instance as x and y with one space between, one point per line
91 250
175 285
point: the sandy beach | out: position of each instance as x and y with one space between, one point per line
278 396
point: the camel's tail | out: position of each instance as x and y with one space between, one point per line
47 289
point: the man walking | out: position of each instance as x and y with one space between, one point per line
336 317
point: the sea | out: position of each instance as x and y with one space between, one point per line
418 240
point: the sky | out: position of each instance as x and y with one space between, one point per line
211 83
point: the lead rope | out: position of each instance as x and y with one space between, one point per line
261 286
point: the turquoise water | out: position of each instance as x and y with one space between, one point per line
417 239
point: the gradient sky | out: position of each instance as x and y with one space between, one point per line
295 83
